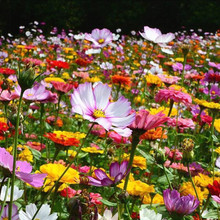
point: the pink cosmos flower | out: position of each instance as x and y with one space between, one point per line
7 96
100 38
62 87
155 35
94 105
23 169
145 121
169 79
182 123
39 93
172 94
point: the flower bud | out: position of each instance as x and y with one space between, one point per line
185 49
187 148
26 78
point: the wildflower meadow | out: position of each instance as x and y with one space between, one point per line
105 126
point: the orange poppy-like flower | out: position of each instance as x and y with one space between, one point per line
63 140
123 80
154 134
83 62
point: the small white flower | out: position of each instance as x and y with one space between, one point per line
92 51
147 214
43 214
107 215
17 193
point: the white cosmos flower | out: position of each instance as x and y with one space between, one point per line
17 193
107 215
43 214
147 214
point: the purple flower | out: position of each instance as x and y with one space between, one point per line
23 169
155 35
179 67
100 38
117 173
175 204
94 105
40 93
214 91
5 212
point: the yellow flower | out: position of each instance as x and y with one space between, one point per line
210 105
165 111
93 150
187 188
69 134
157 199
179 59
178 88
202 180
24 154
66 75
54 171
48 184
72 153
217 150
217 125
138 161
2 119
93 79
55 79
153 79
137 188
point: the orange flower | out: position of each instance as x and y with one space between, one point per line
62 139
154 134
118 79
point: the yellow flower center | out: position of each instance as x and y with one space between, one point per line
30 94
5 218
98 114
213 92
18 169
101 41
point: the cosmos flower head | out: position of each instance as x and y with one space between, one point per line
154 35
100 38
184 205
93 103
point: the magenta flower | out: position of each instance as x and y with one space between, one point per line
182 123
172 94
145 121
5 213
94 105
155 35
100 38
117 173
39 93
175 204
23 169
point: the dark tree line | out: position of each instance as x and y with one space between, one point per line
84 15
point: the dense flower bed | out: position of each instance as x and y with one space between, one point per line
104 126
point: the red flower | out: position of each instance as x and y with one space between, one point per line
58 64
62 87
215 188
7 71
82 62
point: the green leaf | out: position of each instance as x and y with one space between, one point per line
213 214
36 153
106 202
147 156
215 139
163 179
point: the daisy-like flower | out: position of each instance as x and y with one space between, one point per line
43 214
23 169
174 95
107 215
147 214
117 173
94 105
182 123
184 205
155 35
17 193
100 38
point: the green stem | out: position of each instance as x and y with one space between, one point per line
194 187
41 123
55 154
70 164
165 172
171 107
6 193
135 141
15 155
212 145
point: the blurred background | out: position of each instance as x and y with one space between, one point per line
85 15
